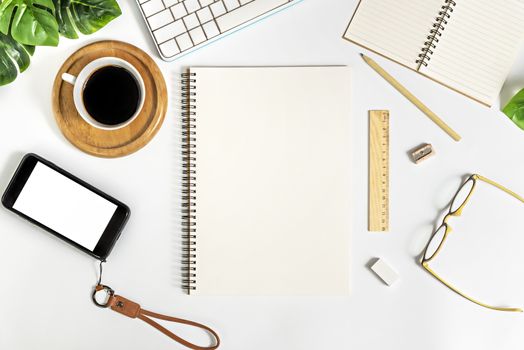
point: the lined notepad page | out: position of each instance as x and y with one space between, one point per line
396 29
272 181
478 46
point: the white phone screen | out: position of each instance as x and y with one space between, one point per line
65 206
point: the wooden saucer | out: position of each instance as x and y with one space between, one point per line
112 143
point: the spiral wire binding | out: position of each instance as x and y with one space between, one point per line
435 33
188 181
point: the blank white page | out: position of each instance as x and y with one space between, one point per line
396 29
272 181
478 46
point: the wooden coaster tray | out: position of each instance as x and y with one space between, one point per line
110 143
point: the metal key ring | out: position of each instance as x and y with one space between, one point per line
109 291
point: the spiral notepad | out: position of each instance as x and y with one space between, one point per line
467 45
266 180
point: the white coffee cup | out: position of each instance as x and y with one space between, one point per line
80 81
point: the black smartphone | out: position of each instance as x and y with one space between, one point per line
65 206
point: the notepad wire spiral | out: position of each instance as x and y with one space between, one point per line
188 181
435 33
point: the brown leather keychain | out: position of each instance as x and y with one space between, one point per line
133 310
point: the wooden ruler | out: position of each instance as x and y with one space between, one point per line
378 207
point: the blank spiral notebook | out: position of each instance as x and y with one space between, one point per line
466 45
268 188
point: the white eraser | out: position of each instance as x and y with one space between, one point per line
385 272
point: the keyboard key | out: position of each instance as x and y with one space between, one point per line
179 11
211 29
218 9
169 48
170 3
192 5
184 42
160 19
246 13
204 3
231 4
191 21
169 31
197 35
152 6
204 15
242 2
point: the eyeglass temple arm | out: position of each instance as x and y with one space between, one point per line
500 187
447 284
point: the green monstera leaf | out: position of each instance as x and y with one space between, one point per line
14 58
86 16
515 109
30 22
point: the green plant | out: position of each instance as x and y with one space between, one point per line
25 24
515 109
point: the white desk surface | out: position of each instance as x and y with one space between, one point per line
46 285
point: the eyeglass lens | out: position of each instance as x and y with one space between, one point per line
435 242
462 195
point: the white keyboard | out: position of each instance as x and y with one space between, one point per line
179 26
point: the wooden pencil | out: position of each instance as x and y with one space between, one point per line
411 97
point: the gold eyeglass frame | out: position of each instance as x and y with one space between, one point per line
424 261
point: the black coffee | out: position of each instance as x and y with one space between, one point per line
111 95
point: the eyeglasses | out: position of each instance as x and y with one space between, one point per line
438 238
